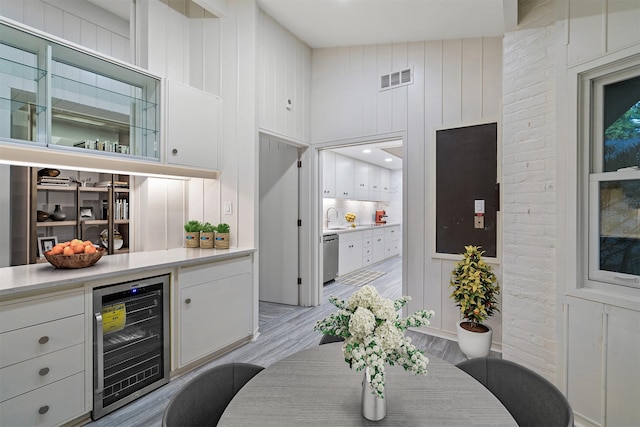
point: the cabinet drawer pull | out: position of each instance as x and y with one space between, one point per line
43 372
43 340
174 151
187 301
43 409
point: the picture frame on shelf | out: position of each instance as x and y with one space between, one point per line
86 213
46 243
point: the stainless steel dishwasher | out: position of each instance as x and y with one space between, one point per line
330 257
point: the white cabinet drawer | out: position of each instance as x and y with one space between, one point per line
40 310
27 343
196 275
50 405
40 371
391 234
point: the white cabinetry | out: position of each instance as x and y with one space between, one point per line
385 185
350 250
215 307
360 180
193 126
328 174
42 369
375 187
367 248
378 245
392 241
603 342
344 177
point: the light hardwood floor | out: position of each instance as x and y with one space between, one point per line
284 330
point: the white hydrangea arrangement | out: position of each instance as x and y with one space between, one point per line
374 334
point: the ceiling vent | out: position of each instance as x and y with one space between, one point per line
396 79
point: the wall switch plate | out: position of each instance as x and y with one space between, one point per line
228 208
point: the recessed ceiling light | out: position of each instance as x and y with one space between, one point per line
388 159
366 150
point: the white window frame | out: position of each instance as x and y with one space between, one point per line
592 94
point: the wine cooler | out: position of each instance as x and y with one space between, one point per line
131 342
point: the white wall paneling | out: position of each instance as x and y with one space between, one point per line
81 22
446 75
284 74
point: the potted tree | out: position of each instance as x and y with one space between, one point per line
222 236
207 232
192 235
475 291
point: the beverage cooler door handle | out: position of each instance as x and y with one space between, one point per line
99 353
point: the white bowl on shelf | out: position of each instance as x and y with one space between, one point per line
117 239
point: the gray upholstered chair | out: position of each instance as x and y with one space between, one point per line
202 400
326 339
530 398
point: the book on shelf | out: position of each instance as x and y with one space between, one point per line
49 180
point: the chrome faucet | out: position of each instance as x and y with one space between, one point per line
327 214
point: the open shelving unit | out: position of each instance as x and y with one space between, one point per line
90 211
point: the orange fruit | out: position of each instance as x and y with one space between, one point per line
67 251
87 243
57 249
90 249
78 248
75 241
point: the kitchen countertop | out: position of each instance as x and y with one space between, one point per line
45 277
349 229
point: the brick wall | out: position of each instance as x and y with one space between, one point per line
528 182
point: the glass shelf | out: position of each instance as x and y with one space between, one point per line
66 89
21 71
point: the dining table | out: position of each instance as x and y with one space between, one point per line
316 387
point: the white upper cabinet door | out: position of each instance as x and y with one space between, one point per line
193 126
375 185
385 184
360 180
344 177
328 174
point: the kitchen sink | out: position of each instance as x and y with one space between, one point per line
338 228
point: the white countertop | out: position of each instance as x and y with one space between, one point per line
349 229
45 277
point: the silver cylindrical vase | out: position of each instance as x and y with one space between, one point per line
374 407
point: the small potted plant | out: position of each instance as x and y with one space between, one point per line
475 291
207 232
192 236
222 236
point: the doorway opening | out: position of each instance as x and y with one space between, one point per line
361 208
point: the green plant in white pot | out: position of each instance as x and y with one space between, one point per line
475 291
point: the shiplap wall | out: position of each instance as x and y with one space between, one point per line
79 22
456 83
284 73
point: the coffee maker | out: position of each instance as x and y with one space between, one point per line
379 215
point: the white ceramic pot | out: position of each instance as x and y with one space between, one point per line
474 344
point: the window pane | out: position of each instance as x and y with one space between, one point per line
620 226
622 125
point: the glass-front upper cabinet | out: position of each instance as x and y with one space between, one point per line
23 89
67 98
